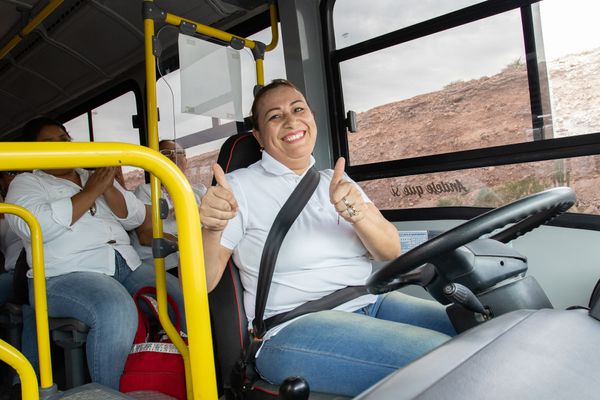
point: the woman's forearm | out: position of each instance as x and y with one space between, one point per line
215 257
378 235
116 201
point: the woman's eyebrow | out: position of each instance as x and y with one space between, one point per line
279 108
272 109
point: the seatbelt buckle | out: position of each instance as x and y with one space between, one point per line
258 329
255 343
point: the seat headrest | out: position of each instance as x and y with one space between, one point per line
238 151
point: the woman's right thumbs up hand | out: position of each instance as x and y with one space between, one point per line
218 204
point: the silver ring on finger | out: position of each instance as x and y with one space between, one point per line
351 211
346 202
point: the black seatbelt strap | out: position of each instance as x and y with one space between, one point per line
282 224
328 302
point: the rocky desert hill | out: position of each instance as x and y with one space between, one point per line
484 112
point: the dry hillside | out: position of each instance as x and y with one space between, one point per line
484 112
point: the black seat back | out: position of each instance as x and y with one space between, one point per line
229 323
20 284
238 151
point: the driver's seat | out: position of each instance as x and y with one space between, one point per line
228 317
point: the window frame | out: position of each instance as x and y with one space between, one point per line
105 97
536 150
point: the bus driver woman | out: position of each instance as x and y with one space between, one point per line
341 351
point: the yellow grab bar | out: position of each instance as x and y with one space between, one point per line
274 27
39 285
224 36
14 358
206 30
26 156
31 25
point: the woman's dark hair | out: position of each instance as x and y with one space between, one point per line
32 129
275 83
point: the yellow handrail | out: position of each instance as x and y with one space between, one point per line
157 226
14 358
26 156
274 27
221 35
206 30
39 285
31 25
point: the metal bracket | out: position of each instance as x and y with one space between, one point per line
156 46
162 247
258 51
236 43
187 28
351 121
163 208
152 11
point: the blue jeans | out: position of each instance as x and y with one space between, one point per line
6 287
103 303
345 353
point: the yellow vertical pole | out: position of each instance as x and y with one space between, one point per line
274 27
155 187
39 285
260 72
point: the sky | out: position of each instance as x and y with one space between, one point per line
428 64
479 49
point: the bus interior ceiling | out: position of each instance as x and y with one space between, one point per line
84 45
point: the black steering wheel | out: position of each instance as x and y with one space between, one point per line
527 214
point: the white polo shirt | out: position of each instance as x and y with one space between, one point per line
143 193
90 243
320 254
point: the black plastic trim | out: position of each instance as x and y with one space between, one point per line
551 149
339 142
533 73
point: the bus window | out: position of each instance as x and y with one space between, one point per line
427 89
79 128
111 122
469 96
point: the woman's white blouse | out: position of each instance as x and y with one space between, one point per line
320 254
90 243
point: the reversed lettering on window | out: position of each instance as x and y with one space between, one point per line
435 188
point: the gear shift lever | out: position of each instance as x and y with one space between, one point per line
463 296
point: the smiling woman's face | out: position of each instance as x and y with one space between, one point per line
286 127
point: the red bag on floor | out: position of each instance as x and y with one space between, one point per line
154 363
